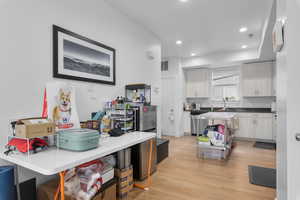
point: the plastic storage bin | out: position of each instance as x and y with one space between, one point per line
7 183
78 139
211 152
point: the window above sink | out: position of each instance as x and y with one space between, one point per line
225 84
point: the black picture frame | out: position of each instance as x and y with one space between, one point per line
56 51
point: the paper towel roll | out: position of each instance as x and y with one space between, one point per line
171 116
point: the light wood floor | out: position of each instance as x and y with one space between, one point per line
185 177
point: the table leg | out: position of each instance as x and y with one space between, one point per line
62 185
56 195
149 181
17 183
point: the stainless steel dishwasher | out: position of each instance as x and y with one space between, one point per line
197 124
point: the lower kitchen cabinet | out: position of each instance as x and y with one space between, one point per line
245 128
263 128
256 126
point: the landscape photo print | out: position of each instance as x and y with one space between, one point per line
79 58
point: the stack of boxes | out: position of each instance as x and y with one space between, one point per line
124 182
91 124
47 190
30 135
124 174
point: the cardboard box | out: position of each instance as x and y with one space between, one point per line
93 124
124 182
34 127
107 192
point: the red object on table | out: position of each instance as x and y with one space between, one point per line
22 145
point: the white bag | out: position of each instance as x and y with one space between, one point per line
61 105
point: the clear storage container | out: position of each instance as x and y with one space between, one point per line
207 152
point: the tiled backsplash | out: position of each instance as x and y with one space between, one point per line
253 102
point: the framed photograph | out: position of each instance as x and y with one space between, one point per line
76 57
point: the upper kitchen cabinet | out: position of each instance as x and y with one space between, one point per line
257 79
197 83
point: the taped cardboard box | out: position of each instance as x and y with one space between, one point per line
124 182
107 192
34 127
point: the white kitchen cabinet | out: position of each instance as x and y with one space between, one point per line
187 122
263 128
245 128
256 126
257 79
197 83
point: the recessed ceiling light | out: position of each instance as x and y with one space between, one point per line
243 29
179 42
244 46
193 54
183 1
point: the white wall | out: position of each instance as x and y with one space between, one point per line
292 98
26 55
288 161
281 94
176 71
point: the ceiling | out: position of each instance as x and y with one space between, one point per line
204 26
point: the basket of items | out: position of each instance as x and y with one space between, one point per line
216 141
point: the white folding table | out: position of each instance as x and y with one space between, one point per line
57 161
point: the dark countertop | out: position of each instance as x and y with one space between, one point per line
237 109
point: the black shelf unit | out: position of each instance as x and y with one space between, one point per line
140 88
